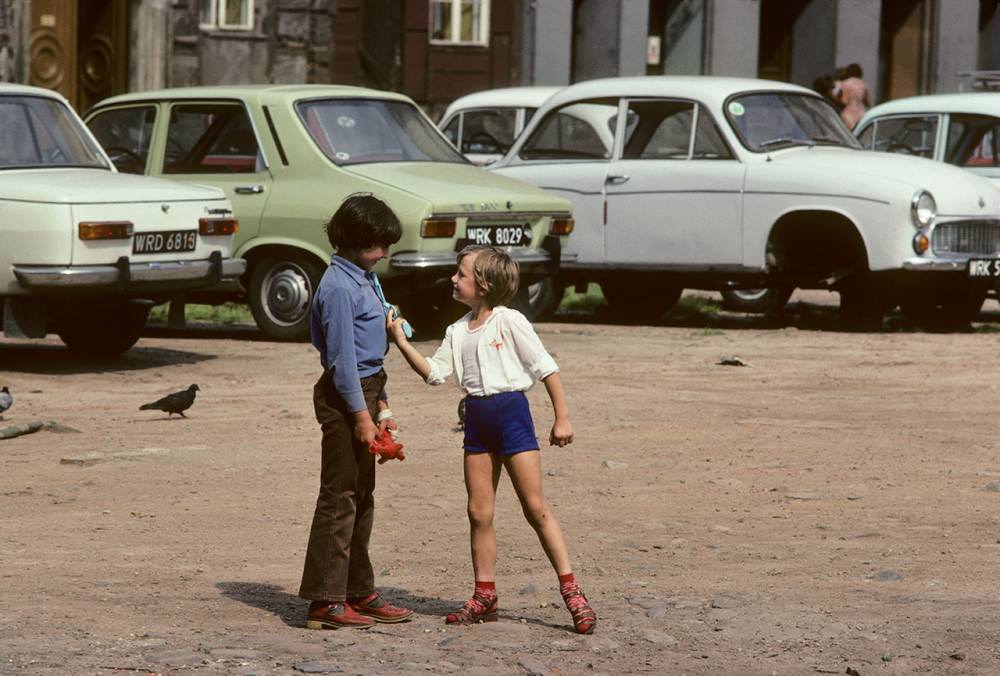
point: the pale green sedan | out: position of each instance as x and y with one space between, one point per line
287 155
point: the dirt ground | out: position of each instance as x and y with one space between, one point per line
832 506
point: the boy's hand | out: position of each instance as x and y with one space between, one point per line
365 430
394 327
561 434
388 424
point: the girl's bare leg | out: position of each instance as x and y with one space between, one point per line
482 472
525 471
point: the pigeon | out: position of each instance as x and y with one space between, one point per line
6 401
178 402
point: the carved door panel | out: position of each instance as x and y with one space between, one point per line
80 48
102 52
52 46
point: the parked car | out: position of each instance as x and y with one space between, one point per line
960 129
287 155
483 125
718 183
86 251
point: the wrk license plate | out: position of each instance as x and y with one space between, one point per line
987 268
169 241
499 235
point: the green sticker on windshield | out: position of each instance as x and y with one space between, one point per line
736 108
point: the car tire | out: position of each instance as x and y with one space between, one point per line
950 310
765 301
431 312
101 329
281 293
544 298
638 293
864 301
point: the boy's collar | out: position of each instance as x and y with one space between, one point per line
353 269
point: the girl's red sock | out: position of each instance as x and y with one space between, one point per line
486 589
566 579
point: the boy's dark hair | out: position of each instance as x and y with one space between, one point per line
361 222
854 70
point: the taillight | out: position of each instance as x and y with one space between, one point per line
208 227
106 230
438 227
561 226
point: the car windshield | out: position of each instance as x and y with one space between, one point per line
42 132
771 120
358 131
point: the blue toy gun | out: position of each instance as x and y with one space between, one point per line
407 329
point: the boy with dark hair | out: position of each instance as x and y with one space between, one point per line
349 331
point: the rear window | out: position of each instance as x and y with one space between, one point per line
365 131
42 132
973 141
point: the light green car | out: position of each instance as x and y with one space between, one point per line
288 155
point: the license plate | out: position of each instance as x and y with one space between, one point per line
984 268
499 235
167 241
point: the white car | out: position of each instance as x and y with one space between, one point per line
716 183
87 251
960 129
484 125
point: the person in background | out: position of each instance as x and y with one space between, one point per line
853 94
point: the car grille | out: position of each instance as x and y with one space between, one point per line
966 237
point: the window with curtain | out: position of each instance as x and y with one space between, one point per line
226 14
460 22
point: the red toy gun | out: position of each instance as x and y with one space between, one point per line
387 448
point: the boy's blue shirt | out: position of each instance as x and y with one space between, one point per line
348 328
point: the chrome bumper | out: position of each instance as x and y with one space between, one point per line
446 259
937 264
126 274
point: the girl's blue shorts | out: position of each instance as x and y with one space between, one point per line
500 423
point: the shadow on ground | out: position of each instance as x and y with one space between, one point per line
24 357
291 609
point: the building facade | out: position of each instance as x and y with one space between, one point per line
437 50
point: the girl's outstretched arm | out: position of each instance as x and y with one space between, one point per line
562 430
416 360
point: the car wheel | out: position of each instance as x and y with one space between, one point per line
544 298
864 302
764 301
281 292
101 329
951 310
638 293
431 312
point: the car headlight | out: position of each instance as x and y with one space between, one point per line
923 209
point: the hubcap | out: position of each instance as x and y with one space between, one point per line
750 294
285 294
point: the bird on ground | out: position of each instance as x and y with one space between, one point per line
178 402
6 401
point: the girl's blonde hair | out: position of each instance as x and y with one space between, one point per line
495 272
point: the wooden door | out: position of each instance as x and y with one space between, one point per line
52 46
102 50
80 48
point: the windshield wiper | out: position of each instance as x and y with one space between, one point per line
828 140
786 140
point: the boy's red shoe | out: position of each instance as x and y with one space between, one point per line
336 616
477 609
380 610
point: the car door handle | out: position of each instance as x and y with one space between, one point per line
249 189
616 179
